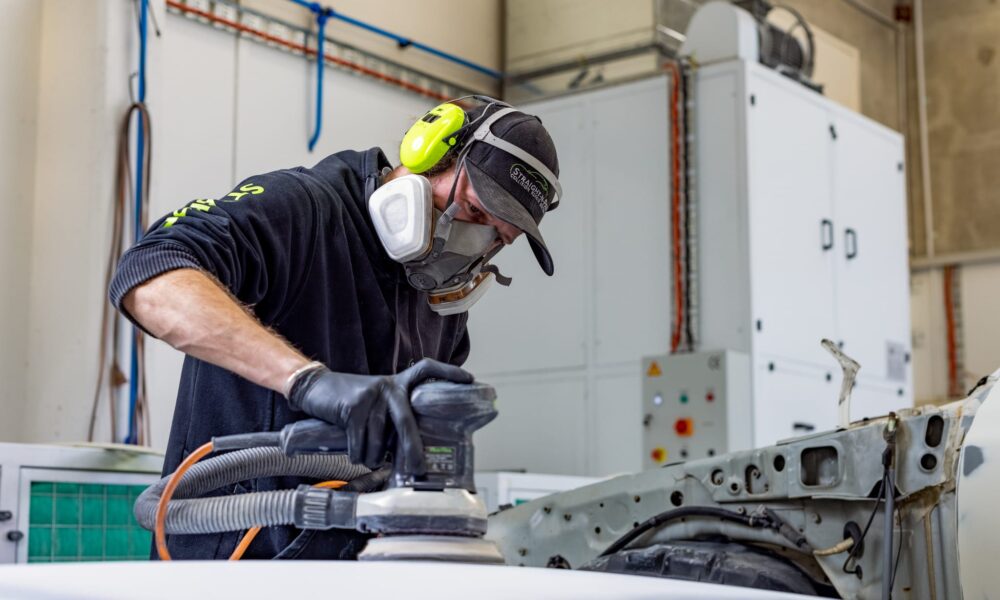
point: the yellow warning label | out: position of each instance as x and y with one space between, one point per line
654 370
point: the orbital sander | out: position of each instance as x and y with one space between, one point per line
436 515
433 515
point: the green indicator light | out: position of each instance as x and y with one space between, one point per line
684 398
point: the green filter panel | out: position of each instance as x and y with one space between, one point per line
72 522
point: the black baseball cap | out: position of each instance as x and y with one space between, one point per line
513 185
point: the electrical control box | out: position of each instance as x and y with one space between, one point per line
694 406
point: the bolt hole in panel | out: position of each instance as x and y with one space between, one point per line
718 477
935 431
677 498
820 466
928 462
779 463
753 480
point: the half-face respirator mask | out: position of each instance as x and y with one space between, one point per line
446 258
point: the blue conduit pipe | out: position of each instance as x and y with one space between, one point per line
133 380
405 42
323 14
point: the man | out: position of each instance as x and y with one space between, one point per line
287 300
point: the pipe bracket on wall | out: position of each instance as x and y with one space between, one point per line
323 14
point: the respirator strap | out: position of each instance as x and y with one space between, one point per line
443 228
500 277
442 231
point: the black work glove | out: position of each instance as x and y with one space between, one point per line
360 404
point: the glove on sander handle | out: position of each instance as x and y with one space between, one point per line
447 414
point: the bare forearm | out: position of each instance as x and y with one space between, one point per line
192 313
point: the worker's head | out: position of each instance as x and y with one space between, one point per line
496 187
489 174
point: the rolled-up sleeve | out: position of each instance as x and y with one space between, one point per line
255 241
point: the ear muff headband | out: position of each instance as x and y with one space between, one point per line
429 139
439 131
445 128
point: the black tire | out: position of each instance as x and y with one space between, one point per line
720 562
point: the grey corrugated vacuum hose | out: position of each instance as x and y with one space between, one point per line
233 513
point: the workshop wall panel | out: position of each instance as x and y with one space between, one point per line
83 92
272 129
631 200
541 428
19 63
616 417
608 302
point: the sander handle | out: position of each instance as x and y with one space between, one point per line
311 436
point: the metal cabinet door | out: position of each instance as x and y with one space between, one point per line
876 399
632 222
791 401
791 258
872 270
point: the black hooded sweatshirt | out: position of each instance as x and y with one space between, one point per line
298 247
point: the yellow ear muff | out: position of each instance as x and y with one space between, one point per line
430 138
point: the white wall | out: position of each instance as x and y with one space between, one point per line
467 28
20 27
222 109
84 77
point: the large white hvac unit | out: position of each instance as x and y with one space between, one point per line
802 236
800 215
801 210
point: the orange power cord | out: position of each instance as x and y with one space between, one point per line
168 492
161 508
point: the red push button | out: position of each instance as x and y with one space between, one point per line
658 455
684 427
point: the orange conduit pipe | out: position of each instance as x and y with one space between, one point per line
251 533
675 204
212 18
954 389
